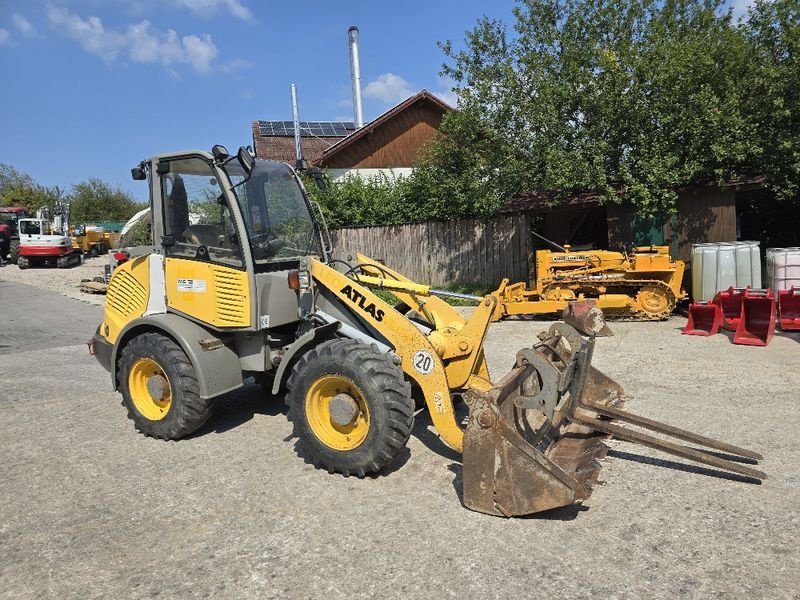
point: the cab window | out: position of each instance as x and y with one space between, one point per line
196 214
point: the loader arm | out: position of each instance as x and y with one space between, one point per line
458 340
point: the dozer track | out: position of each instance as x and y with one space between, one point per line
646 305
533 442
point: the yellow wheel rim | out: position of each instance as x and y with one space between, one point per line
337 412
150 389
653 301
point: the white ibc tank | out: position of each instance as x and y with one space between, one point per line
783 268
718 266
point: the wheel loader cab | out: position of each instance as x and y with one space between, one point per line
230 238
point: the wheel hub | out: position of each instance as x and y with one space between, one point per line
158 387
343 409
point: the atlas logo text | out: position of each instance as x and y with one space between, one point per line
359 300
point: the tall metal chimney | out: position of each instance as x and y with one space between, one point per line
355 75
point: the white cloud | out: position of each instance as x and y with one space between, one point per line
23 25
388 88
209 8
199 51
141 42
236 65
5 38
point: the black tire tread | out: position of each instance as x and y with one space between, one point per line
189 412
13 251
395 395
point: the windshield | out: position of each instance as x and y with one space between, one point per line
275 211
30 228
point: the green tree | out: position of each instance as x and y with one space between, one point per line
20 189
376 200
95 200
625 97
773 93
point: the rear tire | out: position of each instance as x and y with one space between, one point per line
346 375
159 388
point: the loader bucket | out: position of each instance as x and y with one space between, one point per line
533 441
789 309
757 324
705 318
521 454
584 316
730 301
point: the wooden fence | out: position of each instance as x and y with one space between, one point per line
443 253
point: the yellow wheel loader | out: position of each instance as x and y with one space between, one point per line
239 281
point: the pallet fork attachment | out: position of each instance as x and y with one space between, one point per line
533 442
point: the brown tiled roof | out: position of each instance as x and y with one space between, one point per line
423 96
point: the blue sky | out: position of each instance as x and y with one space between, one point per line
91 87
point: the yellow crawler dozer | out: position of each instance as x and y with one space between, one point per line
251 289
644 284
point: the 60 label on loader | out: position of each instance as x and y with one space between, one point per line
244 285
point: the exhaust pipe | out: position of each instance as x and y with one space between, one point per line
355 76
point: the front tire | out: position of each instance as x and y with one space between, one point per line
159 388
351 407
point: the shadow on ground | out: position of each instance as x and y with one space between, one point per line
686 468
238 407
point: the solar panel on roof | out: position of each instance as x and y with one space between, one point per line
307 128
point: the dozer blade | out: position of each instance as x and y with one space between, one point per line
533 442
586 317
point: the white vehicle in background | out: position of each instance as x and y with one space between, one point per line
39 245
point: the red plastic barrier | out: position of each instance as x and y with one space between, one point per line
705 318
757 325
789 309
730 301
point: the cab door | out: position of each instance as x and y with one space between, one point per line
205 273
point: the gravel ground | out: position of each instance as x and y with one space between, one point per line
91 509
63 281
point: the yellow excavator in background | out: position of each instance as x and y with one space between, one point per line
253 290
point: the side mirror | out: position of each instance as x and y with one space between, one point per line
138 174
246 160
167 240
220 153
